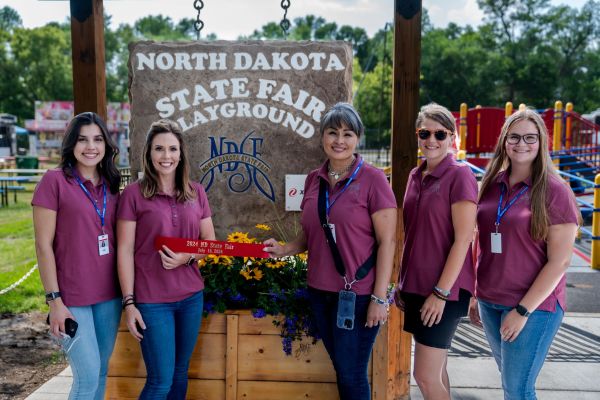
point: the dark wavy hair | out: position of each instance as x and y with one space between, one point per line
106 167
149 182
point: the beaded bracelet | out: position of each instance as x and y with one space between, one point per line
378 300
127 301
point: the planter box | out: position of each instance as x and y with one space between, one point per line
239 357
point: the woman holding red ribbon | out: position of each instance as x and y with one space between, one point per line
74 219
527 220
437 276
349 227
162 290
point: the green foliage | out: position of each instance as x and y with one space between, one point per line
18 256
274 287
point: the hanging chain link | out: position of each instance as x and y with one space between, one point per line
285 23
198 24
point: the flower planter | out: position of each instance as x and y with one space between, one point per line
240 357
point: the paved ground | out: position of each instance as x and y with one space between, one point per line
571 371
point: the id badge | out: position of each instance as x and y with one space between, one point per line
345 311
496 243
103 245
332 229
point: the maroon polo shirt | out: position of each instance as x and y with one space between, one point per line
505 278
84 277
428 228
162 215
351 214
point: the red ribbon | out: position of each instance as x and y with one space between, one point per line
217 247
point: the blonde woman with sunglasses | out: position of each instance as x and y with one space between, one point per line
437 276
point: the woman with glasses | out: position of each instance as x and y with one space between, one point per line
74 219
437 275
527 221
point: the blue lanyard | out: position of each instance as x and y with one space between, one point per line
89 196
501 211
327 205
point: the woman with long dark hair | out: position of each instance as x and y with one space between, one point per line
162 290
74 217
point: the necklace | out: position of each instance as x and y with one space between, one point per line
336 174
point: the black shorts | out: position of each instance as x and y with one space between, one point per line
439 335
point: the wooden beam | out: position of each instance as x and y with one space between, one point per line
87 41
405 106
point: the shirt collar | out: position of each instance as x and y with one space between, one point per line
324 172
439 170
503 178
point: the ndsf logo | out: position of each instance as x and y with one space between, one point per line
293 192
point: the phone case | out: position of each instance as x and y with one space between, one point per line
345 313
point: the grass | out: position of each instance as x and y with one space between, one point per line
17 256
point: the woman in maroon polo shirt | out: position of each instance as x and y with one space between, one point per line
348 298
437 276
527 221
74 218
162 290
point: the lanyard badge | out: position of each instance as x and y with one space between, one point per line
103 245
496 237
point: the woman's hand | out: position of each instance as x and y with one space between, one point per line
512 325
58 313
172 260
274 248
377 314
134 320
474 312
432 310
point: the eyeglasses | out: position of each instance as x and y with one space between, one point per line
439 134
515 138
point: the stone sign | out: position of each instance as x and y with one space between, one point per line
250 113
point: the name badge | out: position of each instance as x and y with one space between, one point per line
332 229
496 243
103 245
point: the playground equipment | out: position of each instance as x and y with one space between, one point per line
574 144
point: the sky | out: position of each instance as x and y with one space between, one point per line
229 19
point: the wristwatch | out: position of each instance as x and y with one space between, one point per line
52 296
522 311
190 261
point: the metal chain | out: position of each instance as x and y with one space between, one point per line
285 23
17 283
198 24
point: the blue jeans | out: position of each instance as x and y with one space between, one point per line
89 351
520 362
349 350
169 340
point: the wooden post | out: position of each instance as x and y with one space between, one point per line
405 107
87 41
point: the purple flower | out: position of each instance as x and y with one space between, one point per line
259 313
238 297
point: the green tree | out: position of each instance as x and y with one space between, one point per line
9 19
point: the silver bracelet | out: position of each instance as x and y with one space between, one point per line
378 300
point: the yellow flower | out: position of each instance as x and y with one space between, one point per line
223 260
263 227
274 264
249 274
303 256
238 237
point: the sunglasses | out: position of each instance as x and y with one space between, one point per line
439 134
528 138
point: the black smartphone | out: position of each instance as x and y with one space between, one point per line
71 327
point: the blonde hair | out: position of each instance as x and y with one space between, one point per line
149 183
542 169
